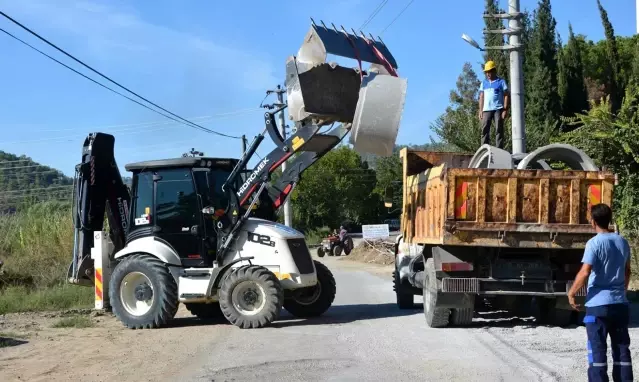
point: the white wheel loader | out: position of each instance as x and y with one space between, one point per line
201 231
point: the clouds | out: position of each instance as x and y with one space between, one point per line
115 34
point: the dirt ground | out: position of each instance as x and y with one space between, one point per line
33 349
368 254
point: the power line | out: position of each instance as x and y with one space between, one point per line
373 14
152 123
179 119
396 17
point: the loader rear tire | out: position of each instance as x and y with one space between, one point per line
143 293
210 311
435 317
313 301
251 297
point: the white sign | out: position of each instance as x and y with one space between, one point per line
375 231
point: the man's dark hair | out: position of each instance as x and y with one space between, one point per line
602 215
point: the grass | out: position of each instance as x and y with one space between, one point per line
78 322
22 299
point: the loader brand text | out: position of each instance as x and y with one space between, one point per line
254 175
122 207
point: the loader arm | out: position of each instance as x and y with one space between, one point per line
98 190
368 104
281 190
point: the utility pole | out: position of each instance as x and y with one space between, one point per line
637 15
288 215
514 46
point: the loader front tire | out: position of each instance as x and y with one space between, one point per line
143 293
313 301
251 297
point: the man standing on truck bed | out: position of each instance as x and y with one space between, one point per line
606 267
493 104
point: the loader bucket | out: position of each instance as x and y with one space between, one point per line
372 101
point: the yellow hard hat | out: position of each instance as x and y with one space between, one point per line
490 65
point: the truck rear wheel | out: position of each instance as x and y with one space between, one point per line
405 300
313 301
143 293
435 317
251 297
202 311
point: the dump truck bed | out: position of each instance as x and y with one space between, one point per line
446 203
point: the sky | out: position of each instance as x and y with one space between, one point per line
212 62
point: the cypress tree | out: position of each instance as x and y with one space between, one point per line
572 87
615 87
543 103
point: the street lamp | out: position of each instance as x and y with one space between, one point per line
471 41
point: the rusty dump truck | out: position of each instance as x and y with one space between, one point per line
474 239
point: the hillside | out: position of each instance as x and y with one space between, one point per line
23 181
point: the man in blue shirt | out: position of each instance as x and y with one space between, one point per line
606 268
493 104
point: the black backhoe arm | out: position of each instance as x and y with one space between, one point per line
98 189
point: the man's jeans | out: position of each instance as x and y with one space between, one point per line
601 322
486 120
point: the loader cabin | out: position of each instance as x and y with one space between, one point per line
167 198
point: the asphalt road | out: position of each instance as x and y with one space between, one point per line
364 337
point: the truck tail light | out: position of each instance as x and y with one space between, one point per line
457 267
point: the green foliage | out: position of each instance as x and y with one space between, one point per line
338 187
22 299
460 126
572 88
612 64
613 142
542 96
36 245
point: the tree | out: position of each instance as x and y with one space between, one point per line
543 105
612 141
612 63
495 39
338 187
460 125
572 88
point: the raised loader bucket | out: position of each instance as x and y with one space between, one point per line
372 101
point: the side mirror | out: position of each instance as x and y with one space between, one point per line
208 211
388 197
